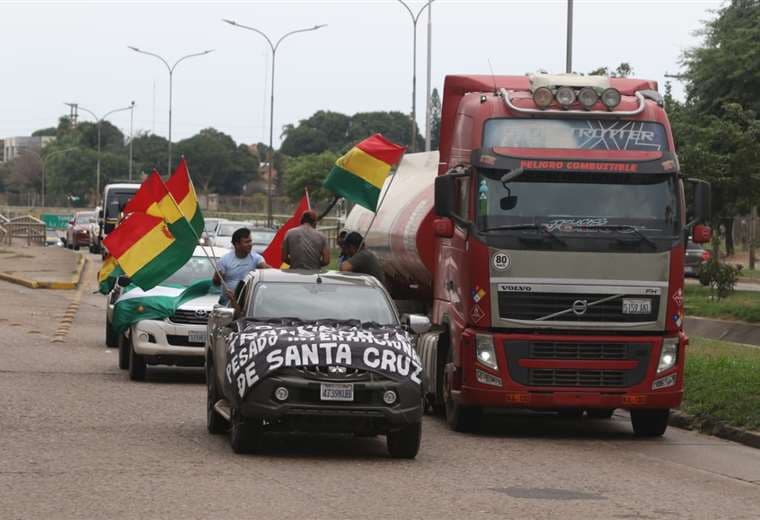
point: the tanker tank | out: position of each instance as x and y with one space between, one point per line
402 232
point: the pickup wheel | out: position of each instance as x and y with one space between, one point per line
112 340
215 423
459 418
649 423
245 434
136 364
125 346
405 443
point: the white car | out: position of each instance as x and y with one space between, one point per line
223 236
179 339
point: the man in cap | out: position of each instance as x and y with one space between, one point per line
360 259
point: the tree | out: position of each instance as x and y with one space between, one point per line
435 119
309 171
724 68
624 70
149 152
26 173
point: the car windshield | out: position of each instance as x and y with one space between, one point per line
312 301
116 202
85 218
197 268
262 237
578 202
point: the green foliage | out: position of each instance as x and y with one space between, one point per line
624 70
334 132
435 119
149 151
719 276
739 305
52 131
309 171
722 381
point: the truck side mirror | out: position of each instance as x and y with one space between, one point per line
417 323
123 280
702 198
223 315
445 192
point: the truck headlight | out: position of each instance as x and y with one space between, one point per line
668 355
485 352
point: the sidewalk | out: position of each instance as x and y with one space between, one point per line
40 267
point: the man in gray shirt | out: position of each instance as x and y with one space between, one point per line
360 259
304 247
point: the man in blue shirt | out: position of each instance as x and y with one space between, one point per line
237 263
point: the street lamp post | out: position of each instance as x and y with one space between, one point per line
171 68
273 47
99 121
415 19
131 137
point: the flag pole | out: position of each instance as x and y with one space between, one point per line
379 204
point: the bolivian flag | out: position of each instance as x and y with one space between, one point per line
359 175
181 188
108 274
152 244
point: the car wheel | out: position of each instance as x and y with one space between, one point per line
245 434
136 364
459 418
125 346
112 340
650 423
600 413
405 443
215 423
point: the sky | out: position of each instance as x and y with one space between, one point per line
56 52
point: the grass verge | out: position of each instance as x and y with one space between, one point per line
723 381
741 305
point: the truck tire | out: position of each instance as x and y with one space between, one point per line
136 365
125 345
650 423
245 434
405 443
112 340
215 423
600 413
459 418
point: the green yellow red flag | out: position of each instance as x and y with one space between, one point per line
359 174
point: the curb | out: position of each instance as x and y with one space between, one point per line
73 283
712 426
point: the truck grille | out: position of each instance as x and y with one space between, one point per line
189 317
535 305
555 352
341 373
577 351
564 377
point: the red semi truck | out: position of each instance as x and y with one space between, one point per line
546 242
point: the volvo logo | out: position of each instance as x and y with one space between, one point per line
580 307
201 313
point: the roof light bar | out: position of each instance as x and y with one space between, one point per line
543 97
588 97
565 96
611 98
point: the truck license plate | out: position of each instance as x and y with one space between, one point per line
197 336
637 306
336 392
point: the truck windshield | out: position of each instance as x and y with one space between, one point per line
116 202
641 206
577 134
311 302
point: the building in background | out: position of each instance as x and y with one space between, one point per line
12 147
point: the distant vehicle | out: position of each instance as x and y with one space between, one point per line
318 393
223 235
80 229
696 255
115 197
261 238
178 339
210 227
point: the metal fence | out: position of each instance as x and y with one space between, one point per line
26 228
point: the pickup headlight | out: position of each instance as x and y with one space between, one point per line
485 352
668 355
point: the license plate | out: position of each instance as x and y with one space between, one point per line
198 336
637 306
336 392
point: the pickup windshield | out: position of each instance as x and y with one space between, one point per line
637 207
311 302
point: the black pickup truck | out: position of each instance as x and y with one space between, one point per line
314 352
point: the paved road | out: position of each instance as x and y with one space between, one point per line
79 440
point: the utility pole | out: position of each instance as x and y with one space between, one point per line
569 58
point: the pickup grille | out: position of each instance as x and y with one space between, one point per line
189 317
564 377
341 373
532 306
